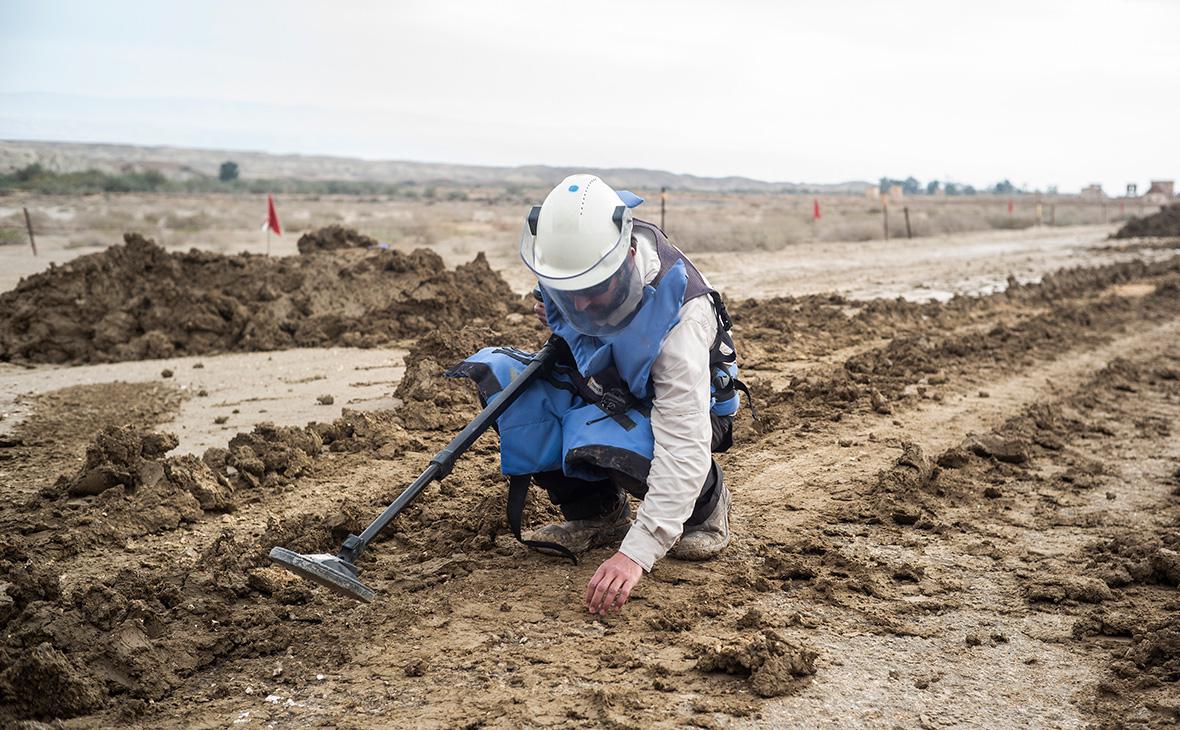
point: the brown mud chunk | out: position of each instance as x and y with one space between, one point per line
954 458
1059 588
377 431
273 455
899 491
1106 623
45 683
673 620
1135 558
751 619
119 456
212 491
878 402
1156 648
333 238
912 470
1008 450
325 400
775 666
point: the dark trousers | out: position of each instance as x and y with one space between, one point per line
580 499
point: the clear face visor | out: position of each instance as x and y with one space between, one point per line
606 307
602 308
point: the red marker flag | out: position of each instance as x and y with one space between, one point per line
815 209
272 216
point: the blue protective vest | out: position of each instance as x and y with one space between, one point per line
632 351
590 415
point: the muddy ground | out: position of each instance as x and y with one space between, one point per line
958 513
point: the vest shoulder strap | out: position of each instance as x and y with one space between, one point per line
722 349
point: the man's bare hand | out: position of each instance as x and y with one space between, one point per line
611 585
539 310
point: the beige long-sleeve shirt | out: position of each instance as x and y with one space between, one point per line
679 422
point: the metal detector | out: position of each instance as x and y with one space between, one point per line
338 572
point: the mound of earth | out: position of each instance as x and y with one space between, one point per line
333 238
1162 224
138 301
430 400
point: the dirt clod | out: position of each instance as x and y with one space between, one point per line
775 666
120 457
45 683
1059 588
1008 450
333 237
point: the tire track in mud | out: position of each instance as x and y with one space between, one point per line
470 628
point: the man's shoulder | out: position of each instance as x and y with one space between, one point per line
699 310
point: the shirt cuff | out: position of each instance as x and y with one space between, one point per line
641 547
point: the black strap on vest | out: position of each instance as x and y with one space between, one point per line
518 492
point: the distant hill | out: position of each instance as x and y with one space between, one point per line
183 163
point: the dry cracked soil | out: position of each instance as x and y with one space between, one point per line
963 513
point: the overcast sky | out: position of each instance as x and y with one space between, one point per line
1042 93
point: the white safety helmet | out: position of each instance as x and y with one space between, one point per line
578 243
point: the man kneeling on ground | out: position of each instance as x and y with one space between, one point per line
644 392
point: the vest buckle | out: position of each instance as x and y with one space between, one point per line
614 402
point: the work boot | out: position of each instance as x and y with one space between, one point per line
706 540
578 536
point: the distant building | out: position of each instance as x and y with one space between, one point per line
896 194
1093 191
873 192
1160 192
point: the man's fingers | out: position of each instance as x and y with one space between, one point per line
598 576
597 603
624 594
608 598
